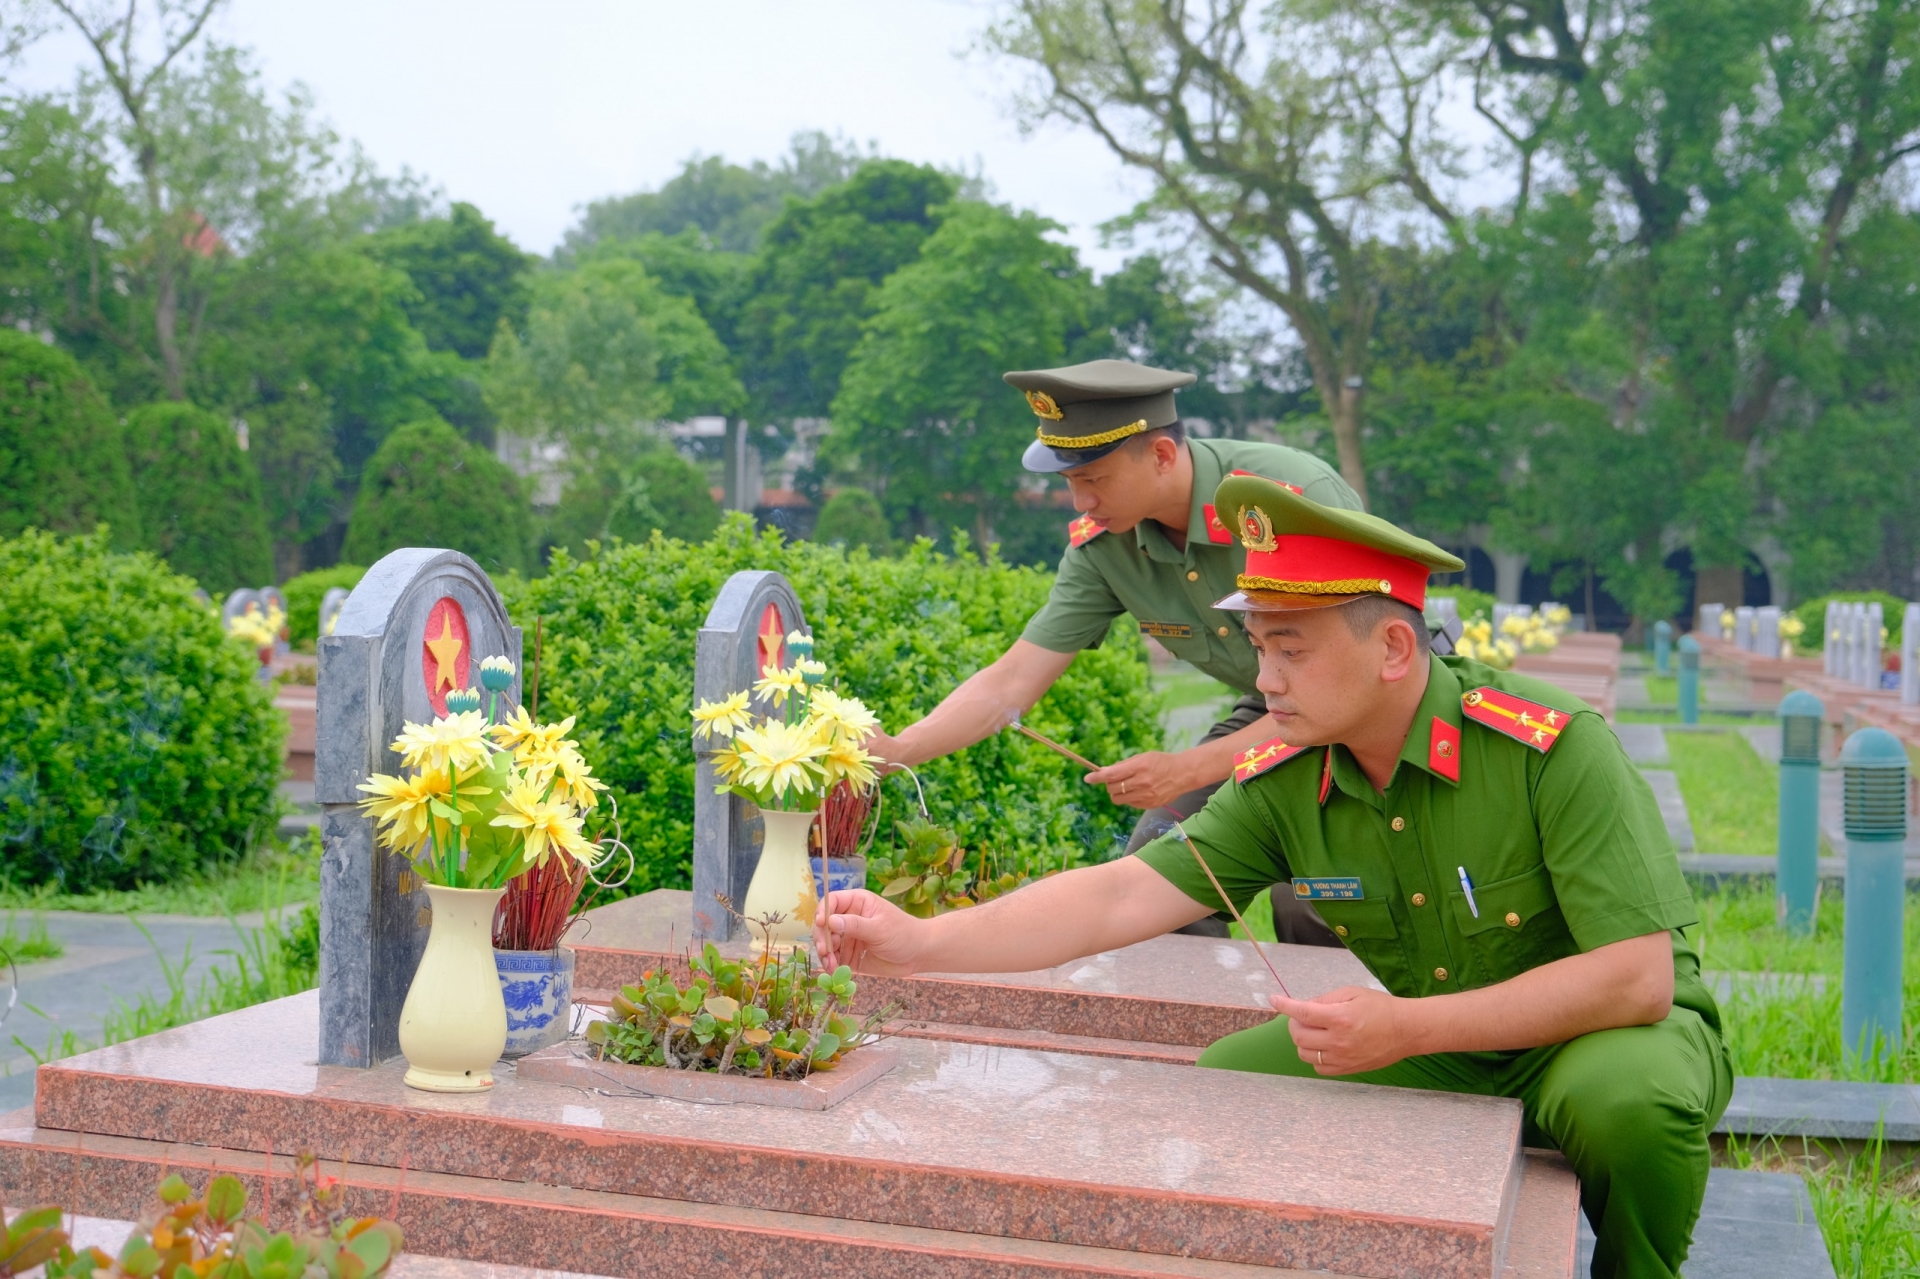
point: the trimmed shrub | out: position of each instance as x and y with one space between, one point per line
899 633
1466 599
200 507
304 594
654 488
1813 615
426 486
852 518
63 458
136 742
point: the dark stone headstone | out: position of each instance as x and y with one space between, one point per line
418 625
745 629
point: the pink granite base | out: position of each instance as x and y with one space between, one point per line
823 1089
1054 1148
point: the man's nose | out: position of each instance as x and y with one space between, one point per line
1083 499
1270 682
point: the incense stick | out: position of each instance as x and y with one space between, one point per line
1055 747
1232 910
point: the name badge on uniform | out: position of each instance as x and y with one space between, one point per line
1167 630
1340 888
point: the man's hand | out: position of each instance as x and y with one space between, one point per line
1348 1030
1151 779
866 932
883 747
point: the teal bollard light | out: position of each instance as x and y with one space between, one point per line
1689 680
1874 766
1798 878
1662 647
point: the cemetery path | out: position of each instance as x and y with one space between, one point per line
108 962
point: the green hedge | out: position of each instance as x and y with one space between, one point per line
1813 615
899 633
852 518
304 595
200 507
63 456
1466 599
136 742
427 486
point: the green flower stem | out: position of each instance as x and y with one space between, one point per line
453 802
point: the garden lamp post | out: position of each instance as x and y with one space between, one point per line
1662 646
1799 873
1874 766
1689 680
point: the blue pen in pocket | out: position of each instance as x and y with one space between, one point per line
1466 886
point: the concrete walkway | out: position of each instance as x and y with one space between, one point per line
108 962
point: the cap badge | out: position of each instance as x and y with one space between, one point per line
1256 530
1044 406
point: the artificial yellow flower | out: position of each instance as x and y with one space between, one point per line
848 717
777 685
727 765
577 781
458 740
549 827
531 743
723 718
400 805
779 757
848 761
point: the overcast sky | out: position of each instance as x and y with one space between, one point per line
531 111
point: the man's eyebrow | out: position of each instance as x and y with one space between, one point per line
1278 631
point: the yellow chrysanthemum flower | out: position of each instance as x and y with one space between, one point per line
400 805
531 743
548 827
848 761
847 717
776 685
723 718
780 758
456 740
727 765
577 781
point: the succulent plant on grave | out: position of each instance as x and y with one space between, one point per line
777 1017
925 873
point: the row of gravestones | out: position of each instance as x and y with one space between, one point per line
417 626
1754 630
1851 645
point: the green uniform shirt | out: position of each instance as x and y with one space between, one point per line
1171 591
1566 849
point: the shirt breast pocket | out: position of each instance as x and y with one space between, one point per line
1519 925
1367 928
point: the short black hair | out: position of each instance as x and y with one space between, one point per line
1365 614
1175 430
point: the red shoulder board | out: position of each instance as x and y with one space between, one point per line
1216 531
1291 488
1082 531
1255 760
1524 721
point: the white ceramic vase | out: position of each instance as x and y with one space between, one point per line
783 881
453 1026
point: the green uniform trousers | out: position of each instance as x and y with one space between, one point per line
1630 1109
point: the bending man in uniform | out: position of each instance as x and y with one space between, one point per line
1477 838
1147 542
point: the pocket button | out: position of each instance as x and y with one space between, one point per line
1419 899
1513 920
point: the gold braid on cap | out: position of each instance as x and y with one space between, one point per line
1345 586
1089 441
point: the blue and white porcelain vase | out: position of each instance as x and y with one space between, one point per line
537 986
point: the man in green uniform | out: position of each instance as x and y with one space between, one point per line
1147 542
1477 838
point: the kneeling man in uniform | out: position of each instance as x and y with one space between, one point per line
1477 838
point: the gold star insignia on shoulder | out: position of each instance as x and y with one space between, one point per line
1526 722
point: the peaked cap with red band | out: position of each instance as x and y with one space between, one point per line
1301 554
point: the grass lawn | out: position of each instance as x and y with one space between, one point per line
1733 796
272 877
1182 685
1662 689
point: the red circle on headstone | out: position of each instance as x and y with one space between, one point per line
444 647
773 638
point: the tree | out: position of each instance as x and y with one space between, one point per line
469 278
1277 143
63 459
922 408
852 518
200 505
426 486
634 491
816 278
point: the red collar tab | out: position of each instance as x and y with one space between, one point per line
1082 531
1255 760
1524 721
1443 750
1291 488
1326 776
1216 530
1303 563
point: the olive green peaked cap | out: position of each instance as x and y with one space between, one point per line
1088 410
1301 554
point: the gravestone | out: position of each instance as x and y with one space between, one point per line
1910 655
272 601
1830 640
745 630
1708 621
1872 619
1766 631
1743 629
236 605
418 626
330 605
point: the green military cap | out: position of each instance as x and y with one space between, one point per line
1087 411
1301 554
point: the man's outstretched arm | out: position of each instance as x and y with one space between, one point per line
1049 922
985 703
